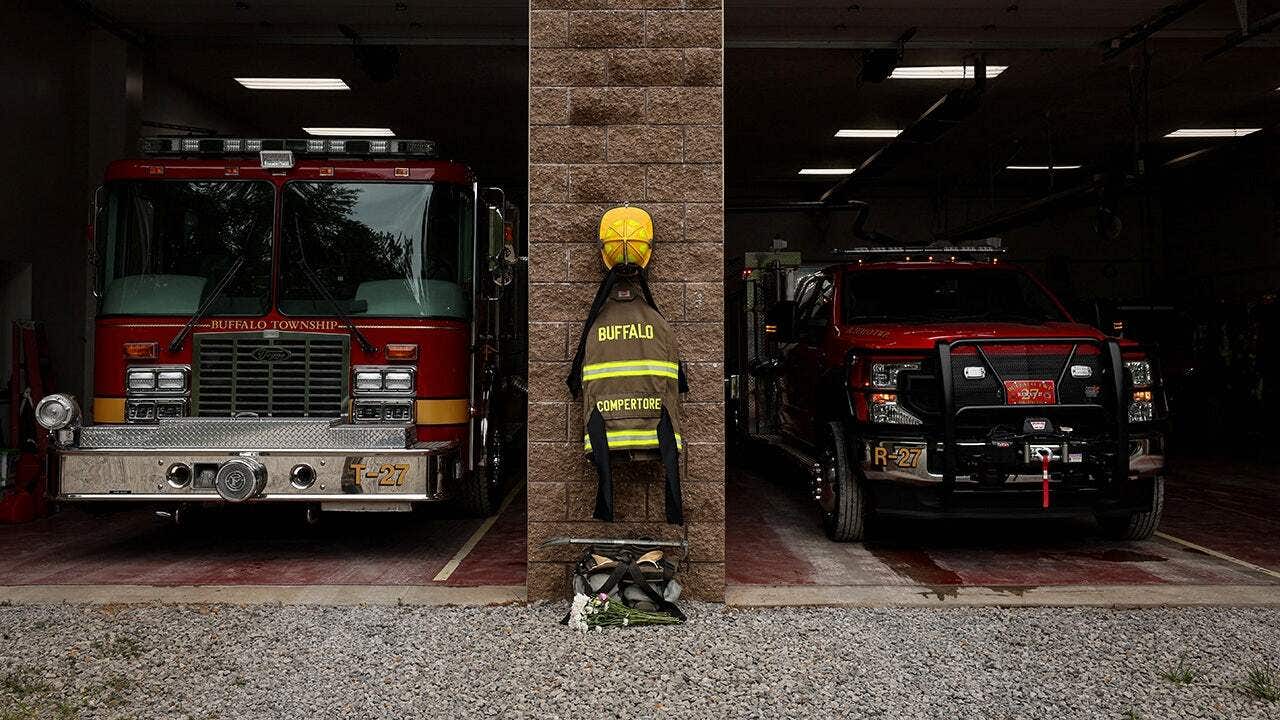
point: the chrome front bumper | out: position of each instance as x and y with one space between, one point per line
347 463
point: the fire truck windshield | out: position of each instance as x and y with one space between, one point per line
164 245
966 294
379 249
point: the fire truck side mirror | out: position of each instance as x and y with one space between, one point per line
780 321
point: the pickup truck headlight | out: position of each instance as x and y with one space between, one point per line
885 409
1142 404
885 374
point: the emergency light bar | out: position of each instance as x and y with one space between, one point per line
175 145
923 251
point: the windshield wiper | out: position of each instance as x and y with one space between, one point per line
176 343
324 292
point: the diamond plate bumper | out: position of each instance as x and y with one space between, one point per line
349 463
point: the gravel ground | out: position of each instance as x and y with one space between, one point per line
80 661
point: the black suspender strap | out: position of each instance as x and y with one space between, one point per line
670 451
600 457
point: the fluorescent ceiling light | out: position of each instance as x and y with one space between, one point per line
826 171
867 133
1042 167
942 72
284 83
1211 132
350 131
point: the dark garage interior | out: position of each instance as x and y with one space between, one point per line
1072 156
86 80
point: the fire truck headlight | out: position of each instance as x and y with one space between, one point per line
140 379
383 380
368 381
398 381
57 411
171 380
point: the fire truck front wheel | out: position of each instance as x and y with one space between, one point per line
844 505
1138 525
481 491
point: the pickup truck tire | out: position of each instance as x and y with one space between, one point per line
1139 525
845 517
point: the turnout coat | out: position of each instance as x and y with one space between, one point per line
628 372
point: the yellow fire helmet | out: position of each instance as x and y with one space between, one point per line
626 237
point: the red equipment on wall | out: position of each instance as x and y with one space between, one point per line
24 497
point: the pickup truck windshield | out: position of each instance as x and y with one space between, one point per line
379 249
970 294
165 244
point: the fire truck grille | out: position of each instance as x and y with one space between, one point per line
292 375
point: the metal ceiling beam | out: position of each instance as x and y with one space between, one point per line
1152 25
1235 39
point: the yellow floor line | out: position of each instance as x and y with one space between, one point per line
474 540
1219 555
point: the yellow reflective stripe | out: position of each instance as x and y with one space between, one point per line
442 412
108 410
631 373
631 438
624 363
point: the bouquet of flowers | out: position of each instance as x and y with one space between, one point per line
601 611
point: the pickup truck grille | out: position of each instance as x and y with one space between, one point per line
292 375
1036 362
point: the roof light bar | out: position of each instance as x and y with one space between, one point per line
923 251
868 133
352 131
826 171
942 72
287 83
186 146
1043 167
1211 132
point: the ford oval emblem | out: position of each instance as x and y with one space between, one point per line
271 353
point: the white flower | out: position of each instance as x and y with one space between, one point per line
626 621
577 620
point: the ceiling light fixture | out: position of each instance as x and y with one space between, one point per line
1211 132
867 133
350 131
1042 167
826 171
285 83
943 72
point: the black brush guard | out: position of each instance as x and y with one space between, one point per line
1109 354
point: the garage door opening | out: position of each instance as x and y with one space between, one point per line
303 286
985 289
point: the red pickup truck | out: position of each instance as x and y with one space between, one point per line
962 388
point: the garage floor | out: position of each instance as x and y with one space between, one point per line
774 538
267 546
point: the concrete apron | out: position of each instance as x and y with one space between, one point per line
741 596
1109 596
264 594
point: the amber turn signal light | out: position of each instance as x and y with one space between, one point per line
402 351
141 350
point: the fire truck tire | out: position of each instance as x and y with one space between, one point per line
844 516
481 491
1139 525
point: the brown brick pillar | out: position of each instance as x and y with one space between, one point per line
625 104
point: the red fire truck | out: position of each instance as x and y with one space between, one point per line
316 321
941 382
